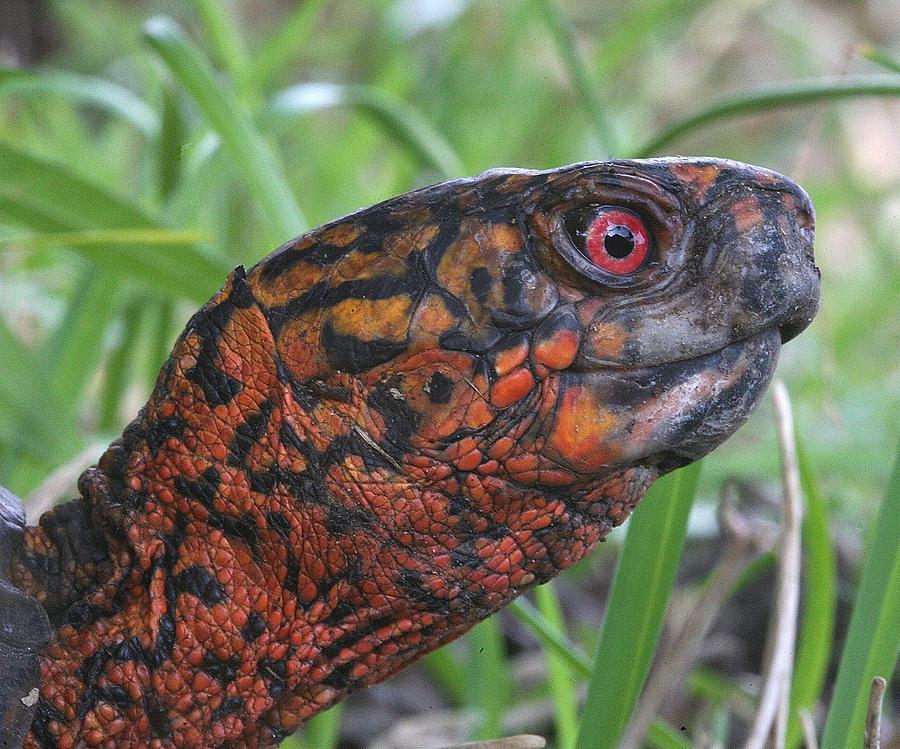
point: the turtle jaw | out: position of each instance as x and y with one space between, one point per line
663 416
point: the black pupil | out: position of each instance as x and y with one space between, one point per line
618 242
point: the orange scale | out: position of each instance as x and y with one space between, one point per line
470 461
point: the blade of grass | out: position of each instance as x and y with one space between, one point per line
170 149
783 95
105 237
252 156
490 688
173 270
447 672
873 638
819 604
48 197
662 736
225 40
43 430
880 57
636 607
588 90
72 352
120 366
323 730
560 674
82 89
550 636
285 44
399 120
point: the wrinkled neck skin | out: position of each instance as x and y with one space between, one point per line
393 426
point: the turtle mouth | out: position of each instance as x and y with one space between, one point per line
709 397
661 416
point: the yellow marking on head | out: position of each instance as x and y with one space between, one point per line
747 214
697 179
341 235
369 320
404 242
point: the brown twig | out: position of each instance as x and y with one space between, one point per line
809 729
872 737
776 677
510 742
744 541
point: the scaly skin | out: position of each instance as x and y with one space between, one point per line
391 427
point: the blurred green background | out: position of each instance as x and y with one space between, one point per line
132 178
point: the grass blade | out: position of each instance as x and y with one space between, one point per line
104 228
587 89
879 57
104 237
784 95
285 44
490 687
252 156
224 39
873 638
120 367
72 352
170 149
662 736
323 730
636 607
560 673
550 636
82 89
399 120
819 604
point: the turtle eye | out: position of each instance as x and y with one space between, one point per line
616 241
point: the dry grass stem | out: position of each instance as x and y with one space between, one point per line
777 670
510 742
744 540
61 482
872 739
809 730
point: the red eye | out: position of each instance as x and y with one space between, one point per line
617 241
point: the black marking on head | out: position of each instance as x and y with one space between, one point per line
291 572
340 677
347 353
90 672
159 431
323 296
481 282
129 650
243 527
274 673
342 520
439 388
115 695
157 714
44 714
400 419
203 489
411 582
254 627
248 433
209 323
200 582
337 615
278 522
82 614
230 705
222 671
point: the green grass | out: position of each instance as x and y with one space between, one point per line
146 159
